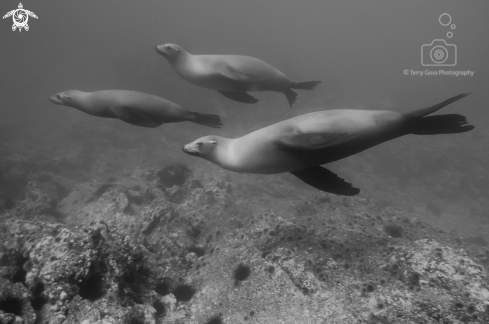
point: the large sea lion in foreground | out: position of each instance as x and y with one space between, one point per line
136 108
231 75
301 144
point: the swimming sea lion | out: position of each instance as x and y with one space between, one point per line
301 144
231 75
136 108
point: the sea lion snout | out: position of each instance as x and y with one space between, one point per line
190 149
169 51
55 99
160 49
186 149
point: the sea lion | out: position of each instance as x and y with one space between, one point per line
136 108
301 144
231 75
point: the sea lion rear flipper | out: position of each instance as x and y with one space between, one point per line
205 119
426 111
420 124
325 180
291 96
239 96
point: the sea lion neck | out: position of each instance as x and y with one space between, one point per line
217 150
84 102
77 97
180 59
225 155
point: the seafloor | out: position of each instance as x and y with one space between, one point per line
101 234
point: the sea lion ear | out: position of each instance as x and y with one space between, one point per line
213 142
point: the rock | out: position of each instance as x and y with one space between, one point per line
138 249
174 175
15 304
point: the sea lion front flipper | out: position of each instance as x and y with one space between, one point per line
239 96
312 141
325 180
133 116
233 74
244 69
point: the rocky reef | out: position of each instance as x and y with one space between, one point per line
192 244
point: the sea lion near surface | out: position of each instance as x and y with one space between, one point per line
300 145
136 108
232 75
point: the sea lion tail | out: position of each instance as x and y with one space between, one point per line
440 124
419 124
307 85
432 109
206 119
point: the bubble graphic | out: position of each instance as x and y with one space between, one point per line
453 26
445 19
449 34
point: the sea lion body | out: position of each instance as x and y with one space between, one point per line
202 70
301 144
137 108
231 75
265 150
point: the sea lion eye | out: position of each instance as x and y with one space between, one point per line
168 47
200 144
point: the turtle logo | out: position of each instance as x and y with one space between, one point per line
20 17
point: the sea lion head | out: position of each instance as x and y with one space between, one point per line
65 98
204 147
169 51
